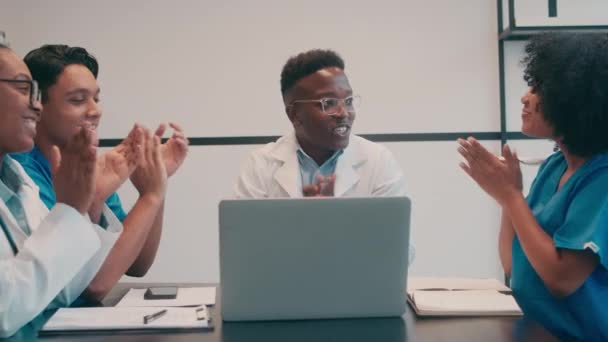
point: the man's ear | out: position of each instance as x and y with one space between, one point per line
291 113
290 109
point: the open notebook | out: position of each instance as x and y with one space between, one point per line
126 318
435 296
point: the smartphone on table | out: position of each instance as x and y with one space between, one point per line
161 292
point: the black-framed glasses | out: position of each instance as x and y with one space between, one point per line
331 105
32 87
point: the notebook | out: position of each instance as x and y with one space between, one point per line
436 296
126 318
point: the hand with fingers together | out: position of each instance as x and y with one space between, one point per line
501 179
324 187
73 169
175 150
150 176
115 166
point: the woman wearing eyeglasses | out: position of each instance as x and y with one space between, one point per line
554 242
43 254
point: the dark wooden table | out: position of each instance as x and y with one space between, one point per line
405 328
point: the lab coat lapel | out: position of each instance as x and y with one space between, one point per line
29 200
346 170
16 234
287 175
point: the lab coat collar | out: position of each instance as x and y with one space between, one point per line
29 194
287 175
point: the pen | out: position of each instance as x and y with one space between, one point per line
154 316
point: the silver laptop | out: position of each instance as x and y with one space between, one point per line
313 258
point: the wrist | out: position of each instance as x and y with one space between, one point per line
99 198
511 200
152 198
78 208
95 212
101 193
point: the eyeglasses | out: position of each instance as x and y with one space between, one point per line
331 105
32 87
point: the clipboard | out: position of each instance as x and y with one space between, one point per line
129 319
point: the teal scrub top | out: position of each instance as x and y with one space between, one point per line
38 168
576 217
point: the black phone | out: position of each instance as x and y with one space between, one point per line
161 292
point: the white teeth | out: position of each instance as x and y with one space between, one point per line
30 122
341 130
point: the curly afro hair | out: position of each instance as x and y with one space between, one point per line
569 73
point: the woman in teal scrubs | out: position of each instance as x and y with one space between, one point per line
553 244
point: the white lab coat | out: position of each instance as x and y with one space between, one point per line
364 169
54 264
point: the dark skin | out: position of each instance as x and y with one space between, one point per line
314 129
323 188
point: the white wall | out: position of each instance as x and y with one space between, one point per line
454 223
420 65
215 65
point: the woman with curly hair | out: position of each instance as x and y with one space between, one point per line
554 243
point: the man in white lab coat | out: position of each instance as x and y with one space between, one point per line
46 258
320 158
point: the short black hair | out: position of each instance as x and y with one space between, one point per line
47 63
306 63
569 72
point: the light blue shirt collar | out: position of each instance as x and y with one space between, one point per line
309 169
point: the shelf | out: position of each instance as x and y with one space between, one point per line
525 32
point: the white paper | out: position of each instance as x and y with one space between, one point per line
113 318
186 296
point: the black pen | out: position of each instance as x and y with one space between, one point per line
154 316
